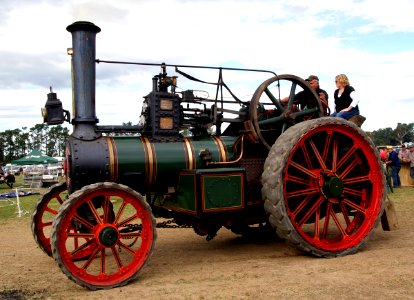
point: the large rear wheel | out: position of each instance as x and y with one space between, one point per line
324 187
116 227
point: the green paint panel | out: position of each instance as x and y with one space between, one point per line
130 154
170 157
222 190
186 194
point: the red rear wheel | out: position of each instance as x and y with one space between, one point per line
323 186
114 224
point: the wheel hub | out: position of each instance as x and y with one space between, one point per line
288 115
333 186
108 236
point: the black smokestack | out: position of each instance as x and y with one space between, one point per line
83 78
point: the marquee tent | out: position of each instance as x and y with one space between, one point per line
35 157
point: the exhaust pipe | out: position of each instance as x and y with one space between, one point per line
83 79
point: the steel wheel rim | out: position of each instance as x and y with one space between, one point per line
318 164
105 266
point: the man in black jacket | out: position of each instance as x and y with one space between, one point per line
304 98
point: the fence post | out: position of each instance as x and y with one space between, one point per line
18 204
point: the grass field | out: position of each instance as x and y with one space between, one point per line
9 207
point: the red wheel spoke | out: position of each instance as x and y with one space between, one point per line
120 212
349 153
91 258
317 227
326 148
80 235
357 179
353 205
116 256
107 209
354 192
94 212
297 180
335 155
59 199
345 214
103 262
81 247
301 206
304 192
130 235
126 247
131 218
306 155
303 169
46 224
326 223
318 156
348 169
311 211
83 221
51 210
337 222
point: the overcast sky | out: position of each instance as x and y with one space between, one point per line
370 41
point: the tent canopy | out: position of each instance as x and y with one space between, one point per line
35 157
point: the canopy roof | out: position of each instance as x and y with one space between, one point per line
35 157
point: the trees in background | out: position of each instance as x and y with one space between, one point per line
51 140
403 133
17 143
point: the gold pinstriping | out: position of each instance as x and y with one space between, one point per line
223 156
150 161
113 159
190 157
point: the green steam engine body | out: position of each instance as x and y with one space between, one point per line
278 167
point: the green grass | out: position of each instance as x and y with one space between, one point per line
8 206
403 197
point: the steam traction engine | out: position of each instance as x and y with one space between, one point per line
316 181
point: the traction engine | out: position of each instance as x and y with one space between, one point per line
272 167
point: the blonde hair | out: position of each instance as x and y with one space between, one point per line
342 79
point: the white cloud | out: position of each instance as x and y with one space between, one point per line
297 37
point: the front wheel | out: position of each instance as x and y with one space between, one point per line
324 187
114 224
44 213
